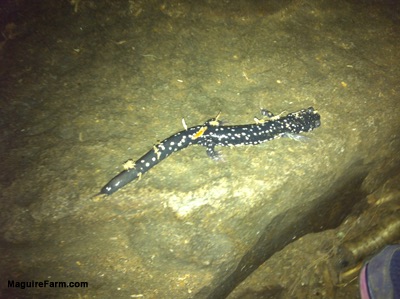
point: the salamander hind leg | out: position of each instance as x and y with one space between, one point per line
296 137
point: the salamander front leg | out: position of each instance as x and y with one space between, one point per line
267 115
213 154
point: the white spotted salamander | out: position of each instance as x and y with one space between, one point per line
211 134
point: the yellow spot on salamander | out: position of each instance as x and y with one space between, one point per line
199 133
156 151
129 164
215 122
276 117
258 121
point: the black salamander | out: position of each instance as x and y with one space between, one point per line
211 134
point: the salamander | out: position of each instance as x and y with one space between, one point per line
213 133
